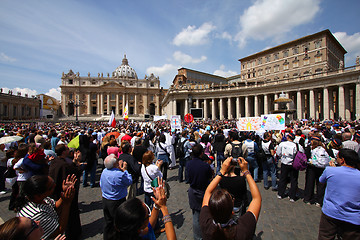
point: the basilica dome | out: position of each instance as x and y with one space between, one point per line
124 70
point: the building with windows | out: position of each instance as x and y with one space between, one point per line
17 107
90 96
309 70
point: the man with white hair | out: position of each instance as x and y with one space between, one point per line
114 181
347 142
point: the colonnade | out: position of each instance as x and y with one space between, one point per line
102 103
331 102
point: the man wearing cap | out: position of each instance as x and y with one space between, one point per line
286 152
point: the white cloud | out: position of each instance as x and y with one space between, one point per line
23 91
185 59
272 18
225 35
5 58
193 36
55 93
221 72
351 43
165 69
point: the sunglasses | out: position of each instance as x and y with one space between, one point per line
34 226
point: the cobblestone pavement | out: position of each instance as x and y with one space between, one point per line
279 219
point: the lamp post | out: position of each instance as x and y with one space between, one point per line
76 104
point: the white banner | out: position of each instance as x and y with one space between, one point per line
175 122
248 124
163 117
273 121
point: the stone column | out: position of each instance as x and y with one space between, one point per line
124 102
326 103
97 103
101 104
135 104
197 103
108 104
213 110
256 106
299 109
146 107
186 109
173 107
238 114
206 115
331 103
229 112
276 105
77 100
117 104
341 102
88 103
247 106
357 101
312 104
221 108
347 103
157 104
266 106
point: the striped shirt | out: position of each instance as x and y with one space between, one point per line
45 213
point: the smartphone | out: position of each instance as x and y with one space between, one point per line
234 161
155 183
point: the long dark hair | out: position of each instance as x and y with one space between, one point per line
221 207
129 217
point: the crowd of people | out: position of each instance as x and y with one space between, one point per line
49 163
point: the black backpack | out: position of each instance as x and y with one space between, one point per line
236 150
180 150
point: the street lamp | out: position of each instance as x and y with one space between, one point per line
76 104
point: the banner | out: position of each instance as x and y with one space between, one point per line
273 121
175 122
249 124
163 117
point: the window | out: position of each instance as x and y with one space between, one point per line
318 70
259 61
306 73
152 98
286 67
286 53
131 97
151 84
93 82
267 70
70 96
276 56
318 44
306 61
253 74
70 81
295 50
267 58
248 65
112 96
253 64
276 68
318 59
93 96
260 73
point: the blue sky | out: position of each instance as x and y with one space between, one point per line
41 39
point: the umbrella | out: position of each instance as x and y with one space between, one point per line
116 134
9 139
74 143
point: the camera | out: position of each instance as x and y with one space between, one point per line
234 161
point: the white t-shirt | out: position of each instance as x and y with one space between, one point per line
21 176
154 172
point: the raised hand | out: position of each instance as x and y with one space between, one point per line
159 192
243 164
69 182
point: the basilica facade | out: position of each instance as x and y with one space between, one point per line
94 96
310 71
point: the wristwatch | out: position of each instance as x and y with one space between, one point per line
219 174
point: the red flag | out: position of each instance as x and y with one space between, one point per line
112 121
